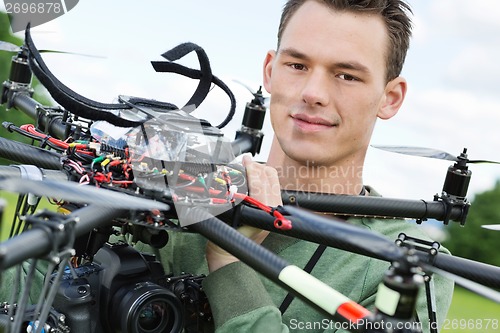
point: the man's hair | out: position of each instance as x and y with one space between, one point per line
395 14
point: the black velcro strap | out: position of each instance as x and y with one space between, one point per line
308 268
69 99
170 67
206 72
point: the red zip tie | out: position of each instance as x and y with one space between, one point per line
280 222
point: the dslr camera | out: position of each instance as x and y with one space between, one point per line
123 290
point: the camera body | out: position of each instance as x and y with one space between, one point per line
122 290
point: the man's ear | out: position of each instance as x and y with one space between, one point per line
394 96
268 68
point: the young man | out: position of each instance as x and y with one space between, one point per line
335 72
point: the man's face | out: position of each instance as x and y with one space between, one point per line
327 84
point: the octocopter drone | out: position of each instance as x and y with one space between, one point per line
145 168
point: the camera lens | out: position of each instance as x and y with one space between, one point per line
146 307
153 316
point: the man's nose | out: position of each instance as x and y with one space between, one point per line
315 89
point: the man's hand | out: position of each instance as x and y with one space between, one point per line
264 186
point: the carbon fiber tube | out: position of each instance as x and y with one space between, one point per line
27 154
29 106
372 206
327 233
26 104
487 275
259 258
37 242
234 242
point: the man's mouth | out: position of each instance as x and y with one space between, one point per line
311 123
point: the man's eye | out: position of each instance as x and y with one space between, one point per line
348 77
298 67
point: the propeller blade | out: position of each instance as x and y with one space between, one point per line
72 53
80 194
468 284
9 47
264 100
428 152
244 85
419 151
482 161
491 226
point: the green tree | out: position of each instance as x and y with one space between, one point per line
473 241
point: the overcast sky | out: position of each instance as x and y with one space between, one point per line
453 70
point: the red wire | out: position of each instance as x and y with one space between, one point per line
30 128
280 221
